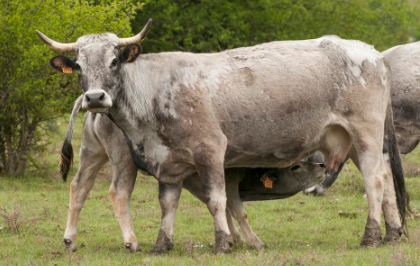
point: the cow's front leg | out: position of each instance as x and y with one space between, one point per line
168 199
194 186
122 186
79 190
209 163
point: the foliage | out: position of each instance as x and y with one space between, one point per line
31 93
214 25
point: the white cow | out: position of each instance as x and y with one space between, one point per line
269 105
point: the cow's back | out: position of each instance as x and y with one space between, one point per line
287 93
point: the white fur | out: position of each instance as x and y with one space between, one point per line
356 51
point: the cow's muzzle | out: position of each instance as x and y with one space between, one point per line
96 101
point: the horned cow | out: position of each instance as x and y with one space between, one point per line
102 141
268 105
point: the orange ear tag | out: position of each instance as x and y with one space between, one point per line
67 70
267 182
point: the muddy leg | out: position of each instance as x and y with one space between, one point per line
209 163
236 207
79 190
390 209
120 191
194 186
372 166
168 198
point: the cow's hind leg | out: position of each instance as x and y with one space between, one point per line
125 173
369 159
237 209
90 164
390 209
168 199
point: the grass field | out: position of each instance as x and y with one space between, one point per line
301 230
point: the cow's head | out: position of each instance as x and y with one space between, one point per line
98 62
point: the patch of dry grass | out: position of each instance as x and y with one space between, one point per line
14 220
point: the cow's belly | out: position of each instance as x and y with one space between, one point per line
274 147
238 158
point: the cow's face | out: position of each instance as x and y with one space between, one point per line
307 171
98 62
98 65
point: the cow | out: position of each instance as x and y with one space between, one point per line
102 142
404 61
268 105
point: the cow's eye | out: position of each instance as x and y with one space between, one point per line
294 168
114 62
77 67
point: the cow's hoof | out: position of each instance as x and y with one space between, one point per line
373 243
372 236
161 249
220 250
392 234
163 244
70 246
132 247
259 246
237 240
223 243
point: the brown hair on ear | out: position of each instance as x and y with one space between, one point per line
130 53
62 64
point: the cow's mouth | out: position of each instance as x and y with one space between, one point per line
99 110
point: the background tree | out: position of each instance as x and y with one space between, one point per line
214 25
30 91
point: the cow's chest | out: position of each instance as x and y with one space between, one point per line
167 163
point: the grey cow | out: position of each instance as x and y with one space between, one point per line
102 141
269 105
404 61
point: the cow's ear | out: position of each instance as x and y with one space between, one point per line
130 53
62 64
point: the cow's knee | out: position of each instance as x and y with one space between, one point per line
216 203
112 192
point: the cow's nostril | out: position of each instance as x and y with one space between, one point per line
102 97
87 99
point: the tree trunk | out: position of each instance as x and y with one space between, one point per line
2 155
11 157
17 150
24 149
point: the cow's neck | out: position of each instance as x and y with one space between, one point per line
138 92
134 112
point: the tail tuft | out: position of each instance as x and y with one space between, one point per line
66 161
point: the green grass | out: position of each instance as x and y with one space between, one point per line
301 230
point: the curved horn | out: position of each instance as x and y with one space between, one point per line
56 46
138 38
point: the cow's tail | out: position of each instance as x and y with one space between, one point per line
403 201
67 149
